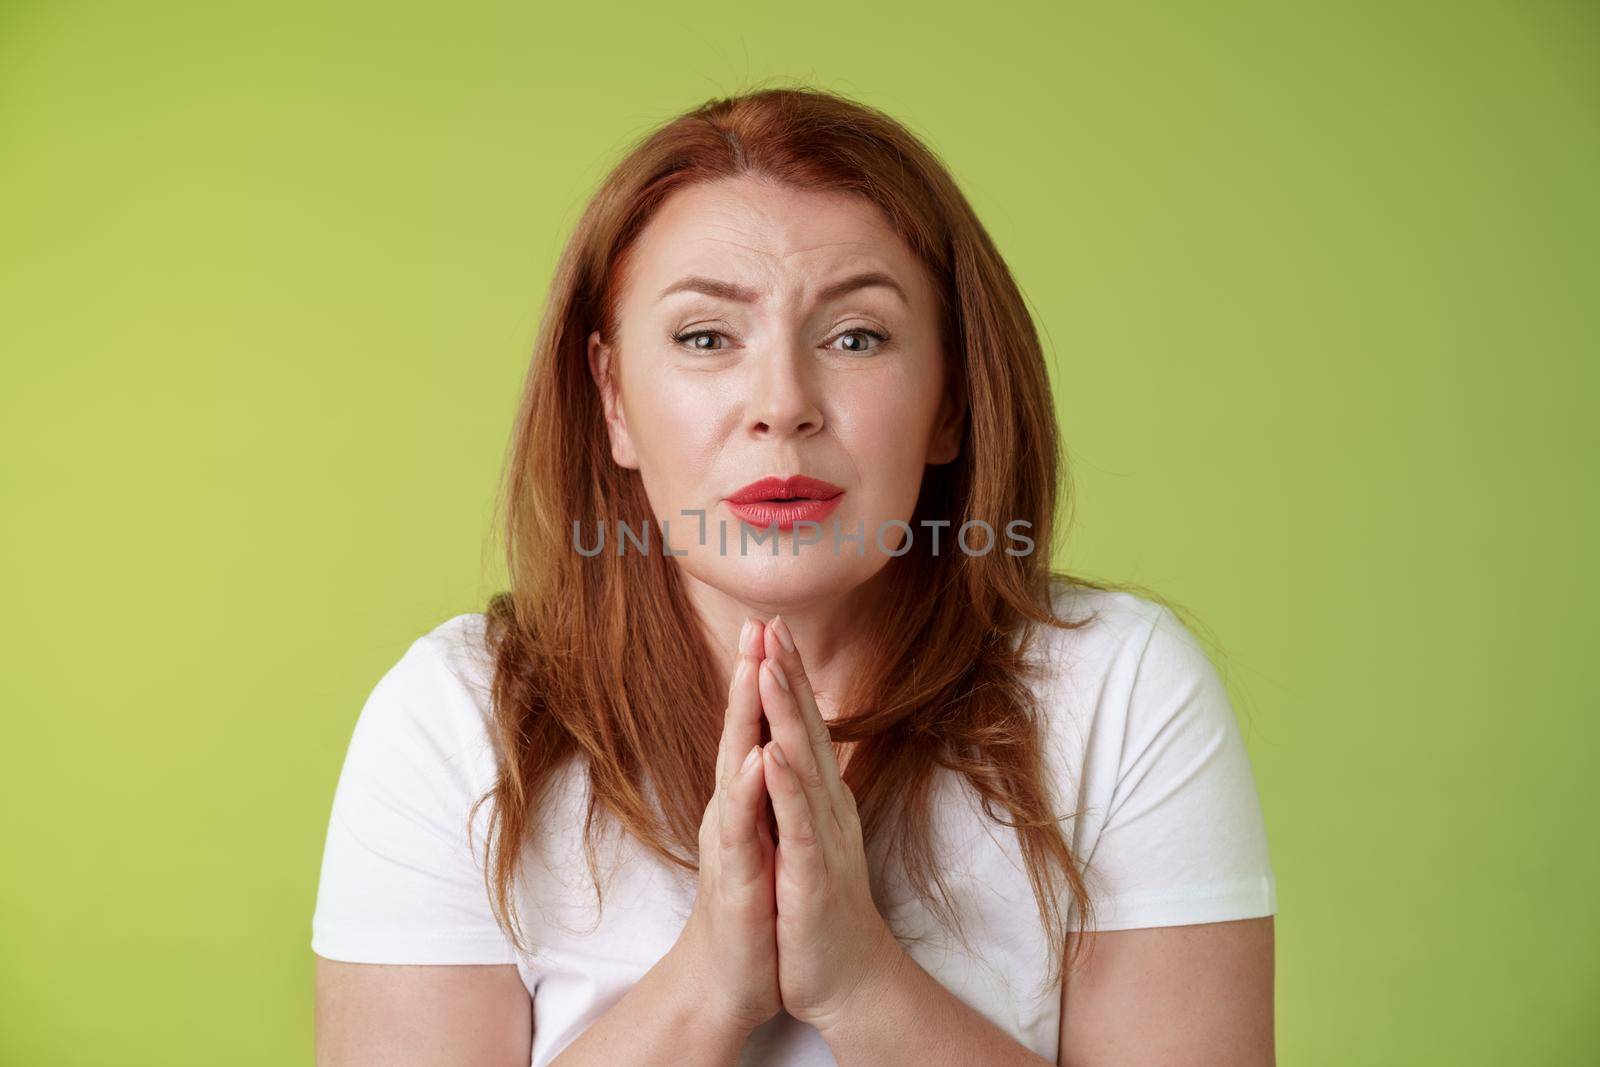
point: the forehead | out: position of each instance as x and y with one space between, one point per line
761 233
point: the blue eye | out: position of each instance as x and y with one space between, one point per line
865 340
858 332
696 336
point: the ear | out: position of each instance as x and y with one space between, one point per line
945 443
602 366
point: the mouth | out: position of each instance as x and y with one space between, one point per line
783 490
782 502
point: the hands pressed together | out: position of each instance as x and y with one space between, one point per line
789 922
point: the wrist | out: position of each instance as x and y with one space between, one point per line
696 1005
887 970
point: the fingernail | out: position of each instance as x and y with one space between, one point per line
784 637
750 760
744 635
777 675
777 753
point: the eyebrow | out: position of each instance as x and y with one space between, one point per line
742 295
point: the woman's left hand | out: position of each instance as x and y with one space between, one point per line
833 945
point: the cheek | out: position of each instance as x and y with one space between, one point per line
675 423
886 426
884 430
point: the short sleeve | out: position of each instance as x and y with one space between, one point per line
400 882
1183 839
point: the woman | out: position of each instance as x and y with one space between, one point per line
786 745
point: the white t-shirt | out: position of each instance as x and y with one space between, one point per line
1141 738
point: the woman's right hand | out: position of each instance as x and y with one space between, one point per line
729 945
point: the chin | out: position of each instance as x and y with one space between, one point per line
784 581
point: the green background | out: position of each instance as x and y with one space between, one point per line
1318 288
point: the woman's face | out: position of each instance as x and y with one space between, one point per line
770 332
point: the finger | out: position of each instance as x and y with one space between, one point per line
738 833
760 810
798 839
780 646
741 725
722 750
763 820
790 730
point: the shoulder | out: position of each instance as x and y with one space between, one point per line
1122 676
1115 630
1154 768
457 654
452 657
401 879
431 707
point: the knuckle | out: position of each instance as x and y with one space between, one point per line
845 816
729 837
805 834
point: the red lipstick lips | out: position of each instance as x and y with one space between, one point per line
785 501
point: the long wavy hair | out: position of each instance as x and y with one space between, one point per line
592 657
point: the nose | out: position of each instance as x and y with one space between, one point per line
782 396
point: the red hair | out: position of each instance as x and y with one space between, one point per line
592 657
